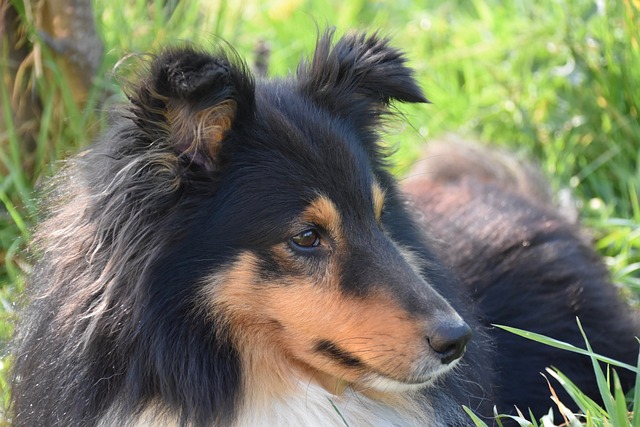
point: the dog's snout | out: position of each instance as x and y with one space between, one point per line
449 340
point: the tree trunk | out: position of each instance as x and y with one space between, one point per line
67 27
23 103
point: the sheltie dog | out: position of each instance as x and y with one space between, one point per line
236 252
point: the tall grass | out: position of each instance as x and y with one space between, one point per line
555 80
617 410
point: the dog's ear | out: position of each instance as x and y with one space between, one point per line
191 100
360 74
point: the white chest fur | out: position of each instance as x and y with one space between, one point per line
309 406
313 406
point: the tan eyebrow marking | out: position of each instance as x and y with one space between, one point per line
378 200
323 211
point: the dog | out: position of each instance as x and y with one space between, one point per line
235 252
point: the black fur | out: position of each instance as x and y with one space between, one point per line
527 267
179 186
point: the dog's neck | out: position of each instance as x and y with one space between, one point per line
308 403
286 394
281 393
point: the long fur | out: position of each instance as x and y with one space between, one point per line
526 265
177 280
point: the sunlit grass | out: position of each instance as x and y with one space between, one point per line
617 410
556 81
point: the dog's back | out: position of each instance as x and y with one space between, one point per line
493 220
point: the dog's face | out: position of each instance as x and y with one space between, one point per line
299 208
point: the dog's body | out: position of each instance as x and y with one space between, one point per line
236 253
526 266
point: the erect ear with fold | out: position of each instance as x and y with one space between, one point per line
359 74
191 100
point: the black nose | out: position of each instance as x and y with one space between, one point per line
449 340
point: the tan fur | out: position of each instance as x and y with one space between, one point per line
323 212
202 131
234 296
378 200
286 320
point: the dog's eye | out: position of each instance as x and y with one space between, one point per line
307 239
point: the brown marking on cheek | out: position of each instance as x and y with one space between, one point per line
236 300
323 211
378 196
199 134
346 336
282 255
301 326
234 293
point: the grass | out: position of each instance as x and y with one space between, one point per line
554 80
618 411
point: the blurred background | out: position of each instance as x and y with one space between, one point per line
556 81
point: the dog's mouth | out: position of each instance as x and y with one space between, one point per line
376 382
386 384
385 374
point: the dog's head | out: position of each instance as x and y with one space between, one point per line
292 229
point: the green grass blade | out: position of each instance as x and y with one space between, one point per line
15 215
602 381
335 408
584 402
621 414
569 347
13 161
476 420
635 421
